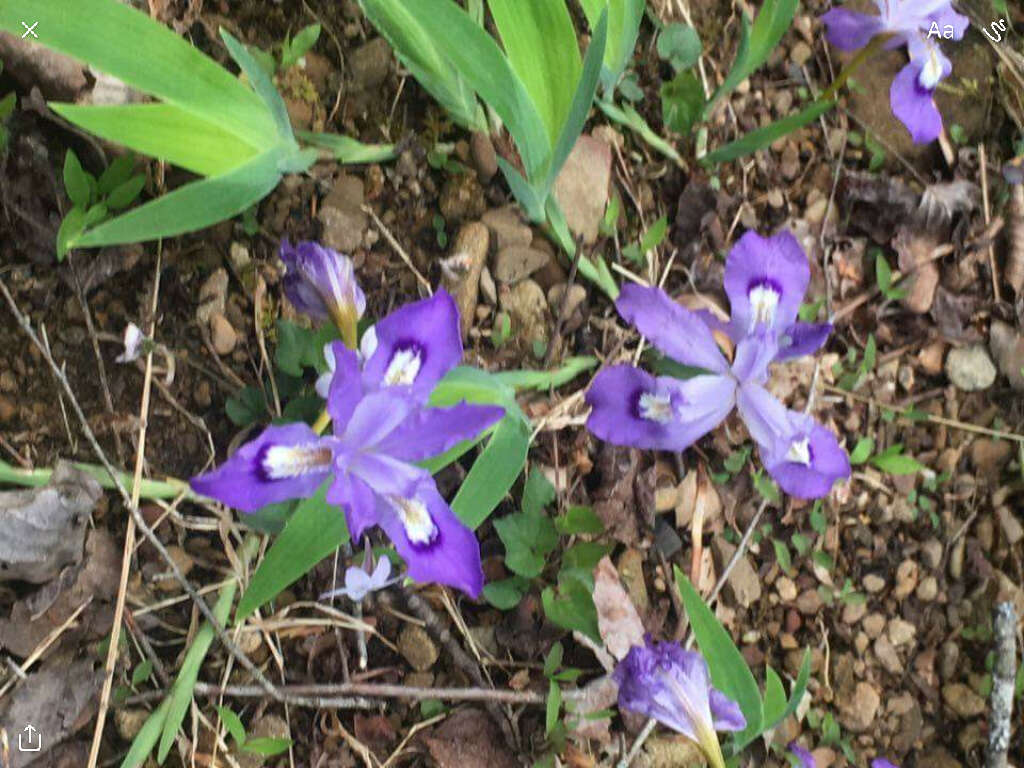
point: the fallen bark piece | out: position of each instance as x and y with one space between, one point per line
44 528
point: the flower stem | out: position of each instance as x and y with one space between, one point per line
168 488
321 422
867 52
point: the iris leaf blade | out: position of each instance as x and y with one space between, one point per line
493 473
157 130
172 69
192 207
540 44
762 137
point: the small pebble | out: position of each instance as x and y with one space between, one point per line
874 583
223 335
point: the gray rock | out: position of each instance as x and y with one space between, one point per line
485 159
369 64
342 215
516 263
857 713
962 700
1008 349
507 227
223 335
970 368
528 309
213 295
417 647
461 198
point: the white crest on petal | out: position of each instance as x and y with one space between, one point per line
931 71
283 461
655 407
403 368
368 344
799 452
764 300
416 520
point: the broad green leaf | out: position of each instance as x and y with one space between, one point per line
261 83
774 697
181 691
493 473
538 492
680 45
142 672
165 132
70 227
895 462
423 55
543 380
756 45
729 671
762 137
349 150
299 45
578 519
267 746
529 537
75 181
862 450
570 128
482 64
682 99
624 17
540 44
116 174
192 207
233 724
553 660
571 606
109 35
506 594
585 555
314 531
125 194
474 386
553 707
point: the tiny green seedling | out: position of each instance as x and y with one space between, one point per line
267 747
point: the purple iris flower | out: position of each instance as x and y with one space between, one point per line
765 280
321 283
918 24
381 427
672 685
803 755
881 762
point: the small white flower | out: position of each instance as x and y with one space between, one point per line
359 583
133 339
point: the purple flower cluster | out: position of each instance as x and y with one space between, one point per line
918 24
381 427
672 685
765 279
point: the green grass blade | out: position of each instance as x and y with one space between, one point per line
572 126
181 691
762 137
417 51
770 25
479 60
314 531
193 206
109 35
261 84
165 132
348 150
147 737
541 46
632 119
494 472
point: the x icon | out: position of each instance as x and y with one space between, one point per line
29 30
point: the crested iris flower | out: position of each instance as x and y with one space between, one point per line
803 755
881 762
321 283
918 24
381 427
765 279
673 686
359 583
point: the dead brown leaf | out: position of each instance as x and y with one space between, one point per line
598 694
914 250
617 618
469 739
624 493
